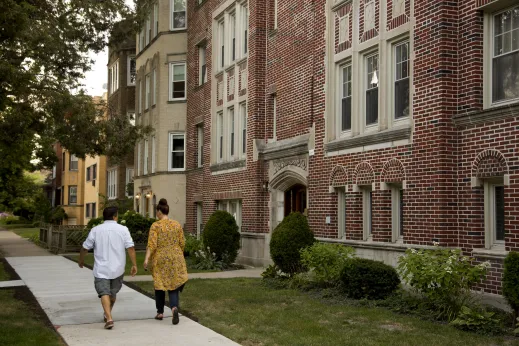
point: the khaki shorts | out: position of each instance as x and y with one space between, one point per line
108 287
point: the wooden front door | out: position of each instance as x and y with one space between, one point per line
295 199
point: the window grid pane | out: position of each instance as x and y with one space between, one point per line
499 195
346 99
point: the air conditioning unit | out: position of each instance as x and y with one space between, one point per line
93 183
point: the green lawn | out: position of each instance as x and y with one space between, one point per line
89 259
251 314
26 232
15 227
3 274
20 325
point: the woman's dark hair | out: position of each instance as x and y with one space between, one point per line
163 206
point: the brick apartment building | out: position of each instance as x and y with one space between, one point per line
390 123
121 100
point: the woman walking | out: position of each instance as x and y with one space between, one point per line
168 267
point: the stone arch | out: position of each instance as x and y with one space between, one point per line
393 171
339 176
286 179
489 163
364 174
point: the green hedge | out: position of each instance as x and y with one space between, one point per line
221 234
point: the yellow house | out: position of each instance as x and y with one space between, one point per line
95 185
73 187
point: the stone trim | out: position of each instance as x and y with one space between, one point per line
377 245
339 4
218 196
198 120
368 139
198 198
285 148
252 235
493 254
488 115
227 165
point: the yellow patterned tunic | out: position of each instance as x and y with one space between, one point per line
166 243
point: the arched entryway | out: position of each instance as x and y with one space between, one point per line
295 199
288 193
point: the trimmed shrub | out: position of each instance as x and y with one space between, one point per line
326 261
192 244
364 278
511 281
138 225
94 222
222 237
288 239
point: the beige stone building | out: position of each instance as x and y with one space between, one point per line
160 160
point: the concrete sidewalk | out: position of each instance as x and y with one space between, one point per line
12 245
243 273
67 295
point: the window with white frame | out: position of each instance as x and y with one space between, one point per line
73 164
87 210
131 118
221 44
177 153
178 14
219 126
114 74
155 20
243 116
372 90
132 70
153 149
199 219
232 35
494 193
200 145
232 132
154 102
129 179
138 159
341 212
245 29
397 212
505 55
148 92
401 80
177 77
202 65
233 207
345 97
274 116
146 149
367 211
112 184
139 99
72 194
148 30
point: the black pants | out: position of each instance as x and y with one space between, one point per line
160 299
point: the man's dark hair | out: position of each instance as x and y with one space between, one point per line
109 213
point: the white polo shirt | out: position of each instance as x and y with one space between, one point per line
109 241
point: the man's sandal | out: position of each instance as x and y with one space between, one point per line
159 317
104 318
109 324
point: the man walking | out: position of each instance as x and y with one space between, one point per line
109 241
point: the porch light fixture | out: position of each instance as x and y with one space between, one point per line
138 196
149 194
265 186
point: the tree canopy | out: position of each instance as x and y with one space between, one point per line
44 53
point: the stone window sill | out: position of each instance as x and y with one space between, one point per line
488 115
398 246
489 253
393 134
225 166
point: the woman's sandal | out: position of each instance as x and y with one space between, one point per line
175 319
159 317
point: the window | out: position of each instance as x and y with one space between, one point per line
202 65
243 112
94 210
397 212
154 86
148 93
345 90
177 77
73 164
219 124
88 174
139 99
505 58
54 172
129 179
231 131
112 184
233 207
155 20
131 118
63 161
146 148
402 80
494 214
232 29
94 172
114 74
221 43
132 70
245 27
138 159
344 29
148 30
178 14
367 207
153 148
274 116
372 90
87 210
341 213
199 220
141 40
72 194
177 157
200 145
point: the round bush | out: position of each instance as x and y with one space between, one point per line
511 280
291 236
221 235
364 278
